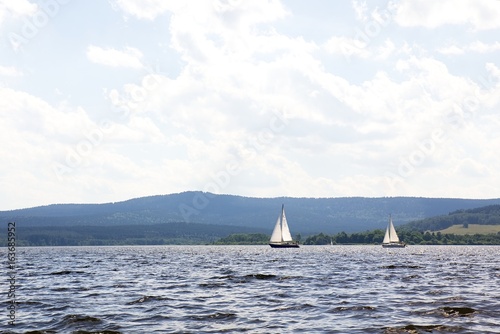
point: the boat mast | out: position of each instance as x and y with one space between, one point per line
281 220
390 226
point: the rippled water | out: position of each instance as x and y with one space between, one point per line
256 289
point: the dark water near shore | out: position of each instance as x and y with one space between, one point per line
255 289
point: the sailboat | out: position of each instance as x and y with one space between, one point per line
391 239
281 237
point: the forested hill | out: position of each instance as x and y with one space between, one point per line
305 215
487 215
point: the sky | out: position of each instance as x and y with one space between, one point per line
103 101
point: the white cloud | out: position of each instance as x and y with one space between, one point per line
494 71
16 9
386 50
129 57
35 135
348 47
352 48
60 148
481 47
451 50
361 9
480 14
34 116
204 31
301 114
476 47
10 71
145 9
138 129
235 12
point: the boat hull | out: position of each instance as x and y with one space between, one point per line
284 245
394 245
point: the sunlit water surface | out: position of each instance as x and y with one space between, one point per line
255 289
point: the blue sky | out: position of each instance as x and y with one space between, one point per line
108 100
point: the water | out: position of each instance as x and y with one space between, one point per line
255 289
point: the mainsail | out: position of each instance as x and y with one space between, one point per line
393 236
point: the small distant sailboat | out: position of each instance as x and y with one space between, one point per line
391 239
281 237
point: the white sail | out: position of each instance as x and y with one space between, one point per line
387 237
281 237
276 236
391 239
392 232
281 231
285 231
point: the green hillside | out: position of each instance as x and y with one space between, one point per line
471 229
486 215
478 226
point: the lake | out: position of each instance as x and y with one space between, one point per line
254 289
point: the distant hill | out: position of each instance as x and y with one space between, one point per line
305 215
486 215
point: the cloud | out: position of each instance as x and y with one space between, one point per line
219 106
35 134
10 71
494 71
360 8
145 9
481 47
351 48
480 14
234 11
31 115
240 83
476 47
348 47
451 50
62 149
130 57
16 9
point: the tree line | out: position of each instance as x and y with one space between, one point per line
374 237
156 234
410 237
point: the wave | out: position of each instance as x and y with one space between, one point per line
417 329
213 316
148 299
66 272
